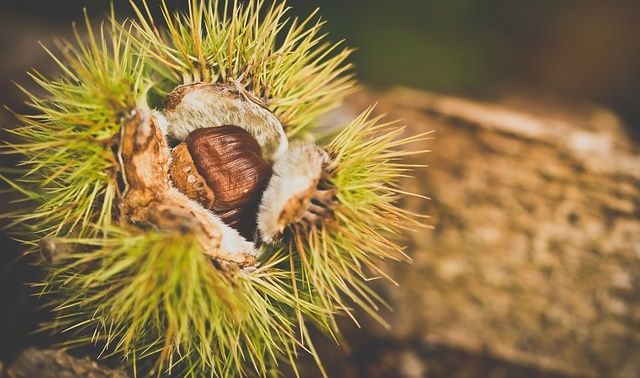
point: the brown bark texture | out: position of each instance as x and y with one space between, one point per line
535 255
32 363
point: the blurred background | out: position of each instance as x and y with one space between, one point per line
583 50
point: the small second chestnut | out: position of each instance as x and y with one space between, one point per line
222 169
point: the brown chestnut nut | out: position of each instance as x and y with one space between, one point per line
222 169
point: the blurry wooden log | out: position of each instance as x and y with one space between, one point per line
535 256
50 363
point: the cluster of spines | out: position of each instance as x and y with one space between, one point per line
68 166
338 257
298 78
153 297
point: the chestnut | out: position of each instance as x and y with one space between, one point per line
222 169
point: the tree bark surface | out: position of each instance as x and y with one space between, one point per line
44 363
535 255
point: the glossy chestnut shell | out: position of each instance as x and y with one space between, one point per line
231 174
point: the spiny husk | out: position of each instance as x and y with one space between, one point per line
154 298
287 64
